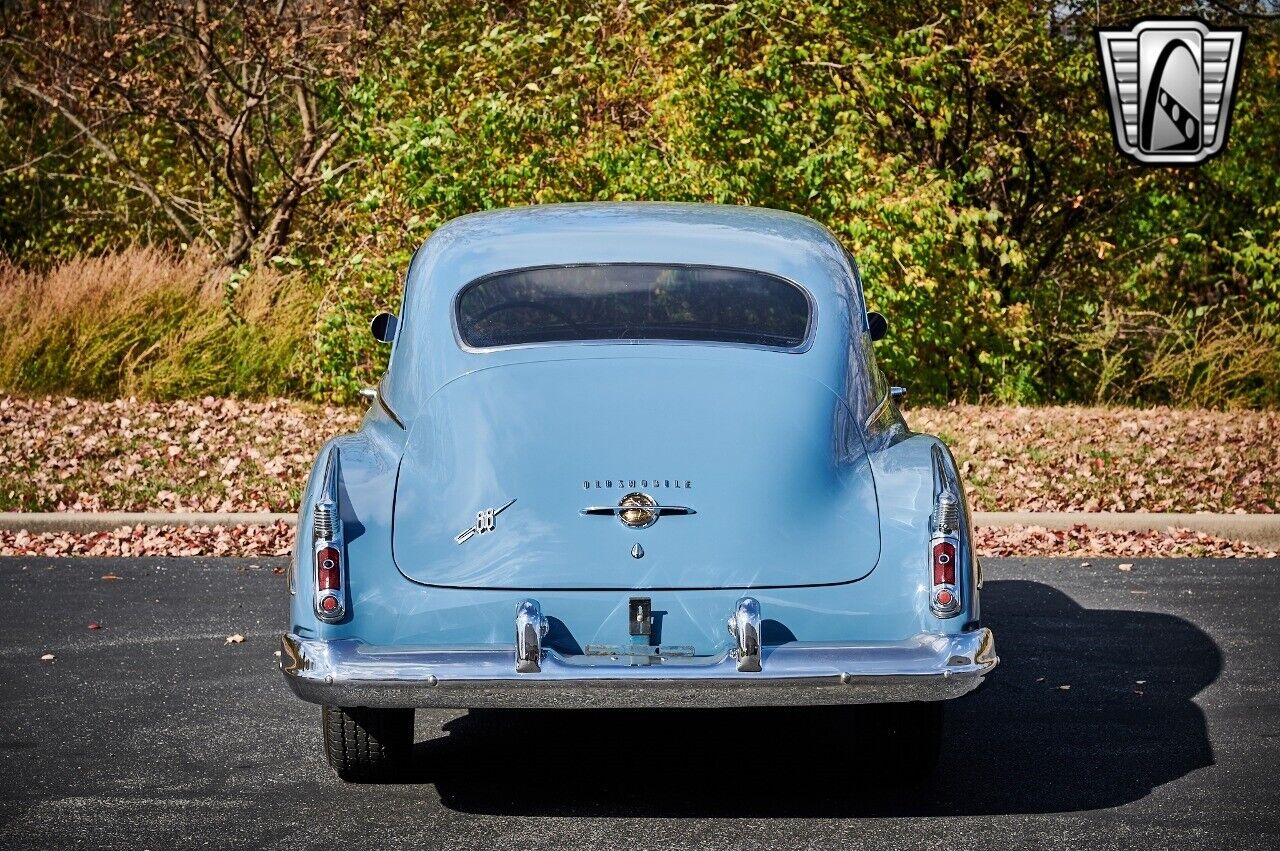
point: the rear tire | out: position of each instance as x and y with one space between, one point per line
367 745
907 739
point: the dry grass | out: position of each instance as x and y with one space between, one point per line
143 322
1223 358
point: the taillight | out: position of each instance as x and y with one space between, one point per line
944 545
944 563
328 570
330 605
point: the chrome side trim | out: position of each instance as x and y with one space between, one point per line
744 626
382 400
348 672
326 524
875 412
531 627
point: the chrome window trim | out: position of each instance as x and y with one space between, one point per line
810 330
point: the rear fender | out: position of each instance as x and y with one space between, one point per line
904 473
366 492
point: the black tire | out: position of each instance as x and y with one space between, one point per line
907 739
367 745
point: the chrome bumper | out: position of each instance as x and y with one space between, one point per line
347 672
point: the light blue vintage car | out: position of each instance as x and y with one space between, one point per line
631 455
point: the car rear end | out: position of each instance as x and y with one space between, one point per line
632 484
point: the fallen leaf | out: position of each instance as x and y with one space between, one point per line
232 455
1126 567
236 638
1064 688
114 456
48 657
95 625
111 577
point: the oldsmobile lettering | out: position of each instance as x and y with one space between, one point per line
632 484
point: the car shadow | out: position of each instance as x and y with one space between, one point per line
1088 709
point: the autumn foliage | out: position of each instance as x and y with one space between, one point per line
961 150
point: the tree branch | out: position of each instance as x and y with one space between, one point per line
142 184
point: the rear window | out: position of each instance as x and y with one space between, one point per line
622 302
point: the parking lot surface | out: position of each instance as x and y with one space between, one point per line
1132 708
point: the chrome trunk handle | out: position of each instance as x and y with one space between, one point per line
744 625
531 627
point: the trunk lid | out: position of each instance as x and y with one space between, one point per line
776 475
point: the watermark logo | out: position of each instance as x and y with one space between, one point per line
1169 84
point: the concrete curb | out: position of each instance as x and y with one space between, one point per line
105 521
1262 530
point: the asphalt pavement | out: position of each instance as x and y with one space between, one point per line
1131 708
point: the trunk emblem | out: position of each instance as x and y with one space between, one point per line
484 523
637 510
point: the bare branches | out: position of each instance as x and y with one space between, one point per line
109 152
252 89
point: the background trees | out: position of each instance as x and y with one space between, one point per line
961 151
220 116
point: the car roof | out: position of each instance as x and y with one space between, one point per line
785 244
643 220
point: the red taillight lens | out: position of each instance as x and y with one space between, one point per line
944 563
328 569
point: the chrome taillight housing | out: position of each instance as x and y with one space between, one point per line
327 549
944 544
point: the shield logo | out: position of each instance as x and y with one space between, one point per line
1169 85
